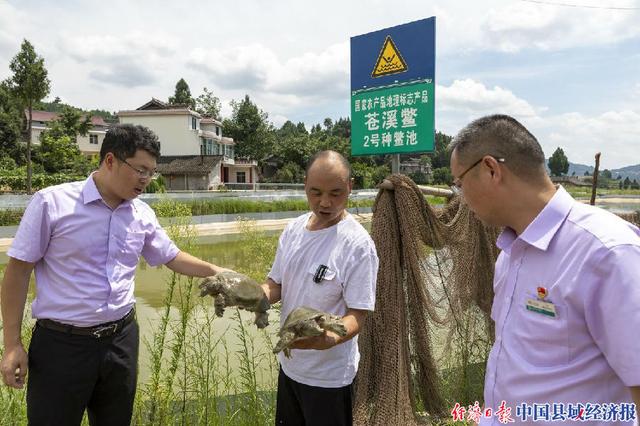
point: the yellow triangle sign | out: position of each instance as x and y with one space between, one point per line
389 61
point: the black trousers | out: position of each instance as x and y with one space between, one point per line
69 373
299 404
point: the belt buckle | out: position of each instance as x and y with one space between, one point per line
99 332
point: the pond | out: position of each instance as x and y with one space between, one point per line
151 289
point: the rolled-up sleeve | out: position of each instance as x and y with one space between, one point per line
613 311
158 248
34 232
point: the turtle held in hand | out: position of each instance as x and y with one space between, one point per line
303 322
230 288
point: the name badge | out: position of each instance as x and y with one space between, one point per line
541 307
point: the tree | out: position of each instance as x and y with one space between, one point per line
558 163
182 95
208 105
250 128
10 126
30 84
606 173
71 122
626 183
442 176
440 157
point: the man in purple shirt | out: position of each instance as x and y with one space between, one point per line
567 286
84 240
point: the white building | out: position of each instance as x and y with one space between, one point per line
88 145
194 154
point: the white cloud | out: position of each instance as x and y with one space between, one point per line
472 97
616 134
129 60
257 67
523 25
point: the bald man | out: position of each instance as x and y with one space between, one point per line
325 260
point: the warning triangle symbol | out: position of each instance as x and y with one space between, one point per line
389 61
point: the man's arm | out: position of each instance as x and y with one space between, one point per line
13 297
353 321
272 290
186 264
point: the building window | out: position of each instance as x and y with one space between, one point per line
93 139
217 131
240 177
194 123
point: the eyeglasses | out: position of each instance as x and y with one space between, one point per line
457 182
142 173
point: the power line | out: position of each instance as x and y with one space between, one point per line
581 5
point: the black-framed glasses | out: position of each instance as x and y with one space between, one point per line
457 182
142 173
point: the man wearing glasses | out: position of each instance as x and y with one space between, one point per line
84 240
567 284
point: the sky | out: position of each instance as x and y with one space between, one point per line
569 70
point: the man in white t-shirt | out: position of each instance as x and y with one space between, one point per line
325 260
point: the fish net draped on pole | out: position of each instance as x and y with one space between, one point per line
425 346
433 305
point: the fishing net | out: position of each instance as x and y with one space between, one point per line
427 342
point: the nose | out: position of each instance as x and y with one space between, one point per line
325 201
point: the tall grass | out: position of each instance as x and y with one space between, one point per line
203 370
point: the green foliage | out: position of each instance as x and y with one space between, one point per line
182 95
29 84
29 81
289 173
16 180
250 128
442 176
558 163
208 105
10 125
419 178
156 185
440 158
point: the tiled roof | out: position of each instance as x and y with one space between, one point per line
188 164
46 116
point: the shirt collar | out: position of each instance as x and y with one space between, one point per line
543 228
90 192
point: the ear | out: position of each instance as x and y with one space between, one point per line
494 167
109 160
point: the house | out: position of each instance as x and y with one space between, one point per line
89 144
194 153
413 165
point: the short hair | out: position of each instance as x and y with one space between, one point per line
501 136
123 140
329 154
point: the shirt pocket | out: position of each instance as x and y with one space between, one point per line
541 340
132 248
323 285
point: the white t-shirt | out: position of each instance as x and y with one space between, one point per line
349 282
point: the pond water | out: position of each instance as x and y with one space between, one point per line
151 288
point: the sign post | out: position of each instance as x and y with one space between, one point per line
393 90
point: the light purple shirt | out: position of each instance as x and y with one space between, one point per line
589 261
86 253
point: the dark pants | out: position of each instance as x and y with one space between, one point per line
300 404
69 373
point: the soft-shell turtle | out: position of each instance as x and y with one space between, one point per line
303 322
234 289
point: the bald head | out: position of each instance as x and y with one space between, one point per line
324 161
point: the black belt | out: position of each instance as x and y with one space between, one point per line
98 331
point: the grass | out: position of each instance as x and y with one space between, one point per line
205 370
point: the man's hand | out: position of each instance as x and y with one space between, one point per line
327 340
14 366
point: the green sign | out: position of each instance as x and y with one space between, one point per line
393 120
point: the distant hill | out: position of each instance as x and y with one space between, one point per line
632 172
